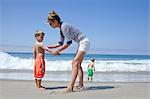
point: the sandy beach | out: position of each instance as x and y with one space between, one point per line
19 89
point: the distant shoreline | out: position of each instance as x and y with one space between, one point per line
100 72
9 52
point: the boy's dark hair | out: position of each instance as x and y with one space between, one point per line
93 60
54 16
38 32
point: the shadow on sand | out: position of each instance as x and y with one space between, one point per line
57 87
98 87
86 88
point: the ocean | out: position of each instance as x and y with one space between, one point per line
122 66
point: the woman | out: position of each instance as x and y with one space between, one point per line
70 33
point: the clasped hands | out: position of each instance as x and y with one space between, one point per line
55 52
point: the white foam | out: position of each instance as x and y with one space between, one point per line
10 62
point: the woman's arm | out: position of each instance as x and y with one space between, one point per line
57 52
63 47
54 46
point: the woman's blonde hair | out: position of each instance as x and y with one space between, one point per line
53 16
38 32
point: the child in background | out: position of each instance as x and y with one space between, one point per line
39 62
91 68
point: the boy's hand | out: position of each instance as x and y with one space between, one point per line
55 52
41 70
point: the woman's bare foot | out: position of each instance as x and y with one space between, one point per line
68 90
80 87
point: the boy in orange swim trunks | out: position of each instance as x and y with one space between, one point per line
39 63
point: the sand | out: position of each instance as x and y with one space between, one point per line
15 89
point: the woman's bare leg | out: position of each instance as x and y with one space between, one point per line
80 74
75 65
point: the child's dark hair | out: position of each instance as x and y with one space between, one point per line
53 16
93 60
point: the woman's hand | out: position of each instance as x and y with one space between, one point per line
55 52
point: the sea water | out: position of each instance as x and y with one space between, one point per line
122 67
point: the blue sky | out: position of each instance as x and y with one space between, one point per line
113 26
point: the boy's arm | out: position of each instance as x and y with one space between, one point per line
88 65
45 48
93 67
43 65
34 53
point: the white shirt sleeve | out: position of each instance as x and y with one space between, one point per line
65 31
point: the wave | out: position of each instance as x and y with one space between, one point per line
10 62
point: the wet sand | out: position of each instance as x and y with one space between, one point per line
19 89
